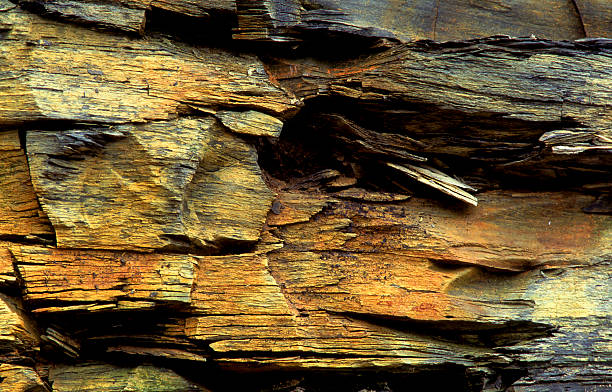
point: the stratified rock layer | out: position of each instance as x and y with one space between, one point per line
181 210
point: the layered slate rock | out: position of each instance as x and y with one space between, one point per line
19 335
340 203
538 80
294 20
403 261
54 73
171 184
20 213
100 376
101 280
129 16
507 232
512 109
241 308
7 272
347 281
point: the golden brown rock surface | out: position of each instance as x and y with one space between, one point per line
96 377
20 379
149 186
20 214
59 73
335 207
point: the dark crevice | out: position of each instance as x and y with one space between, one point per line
459 331
338 47
46 239
292 380
519 46
181 243
485 150
55 125
580 20
211 30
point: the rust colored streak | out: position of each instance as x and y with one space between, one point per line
340 72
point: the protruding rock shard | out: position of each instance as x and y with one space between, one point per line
438 180
251 123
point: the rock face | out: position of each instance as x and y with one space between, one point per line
149 186
305 195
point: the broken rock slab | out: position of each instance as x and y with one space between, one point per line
172 184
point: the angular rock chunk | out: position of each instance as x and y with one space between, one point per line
17 378
171 184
